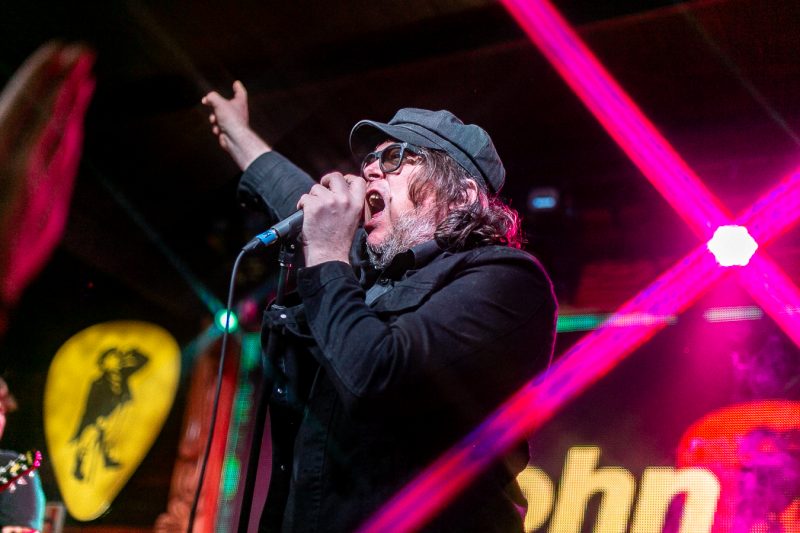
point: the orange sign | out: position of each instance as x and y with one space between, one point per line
109 390
754 450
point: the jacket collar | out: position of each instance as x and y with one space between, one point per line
413 259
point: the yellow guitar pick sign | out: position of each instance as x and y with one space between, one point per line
109 390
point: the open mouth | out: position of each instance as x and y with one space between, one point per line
375 203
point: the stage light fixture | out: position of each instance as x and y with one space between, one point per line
732 246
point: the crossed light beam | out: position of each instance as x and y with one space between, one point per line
598 352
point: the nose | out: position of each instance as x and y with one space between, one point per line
372 171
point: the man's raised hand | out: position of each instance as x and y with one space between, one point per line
230 122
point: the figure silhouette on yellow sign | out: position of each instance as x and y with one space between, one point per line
102 422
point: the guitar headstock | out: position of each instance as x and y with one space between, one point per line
15 471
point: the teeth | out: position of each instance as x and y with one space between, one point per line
375 201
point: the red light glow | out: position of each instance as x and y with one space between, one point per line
746 446
41 159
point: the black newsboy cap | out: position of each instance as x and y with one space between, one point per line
469 145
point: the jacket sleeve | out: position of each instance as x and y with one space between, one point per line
484 333
274 184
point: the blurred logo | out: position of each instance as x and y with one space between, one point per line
109 390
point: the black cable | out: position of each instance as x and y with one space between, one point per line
285 260
215 403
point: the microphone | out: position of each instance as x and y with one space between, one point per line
288 228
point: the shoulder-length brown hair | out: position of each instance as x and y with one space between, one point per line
462 223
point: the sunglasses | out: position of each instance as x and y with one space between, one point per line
390 158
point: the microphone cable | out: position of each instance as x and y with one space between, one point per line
217 391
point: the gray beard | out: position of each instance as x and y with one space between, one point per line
411 229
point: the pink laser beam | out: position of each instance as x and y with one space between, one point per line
772 289
774 212
769 217
586 362
595 355
651 152
620 116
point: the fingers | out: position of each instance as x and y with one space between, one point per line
346 184
318 192
357 185
336 193
212 99
334 181
335 186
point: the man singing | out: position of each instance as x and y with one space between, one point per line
417 315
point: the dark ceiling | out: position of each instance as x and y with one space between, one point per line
313 71
154 221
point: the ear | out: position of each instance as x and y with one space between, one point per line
472 192
471 195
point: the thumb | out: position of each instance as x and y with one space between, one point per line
239 92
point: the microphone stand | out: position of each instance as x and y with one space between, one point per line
268 361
